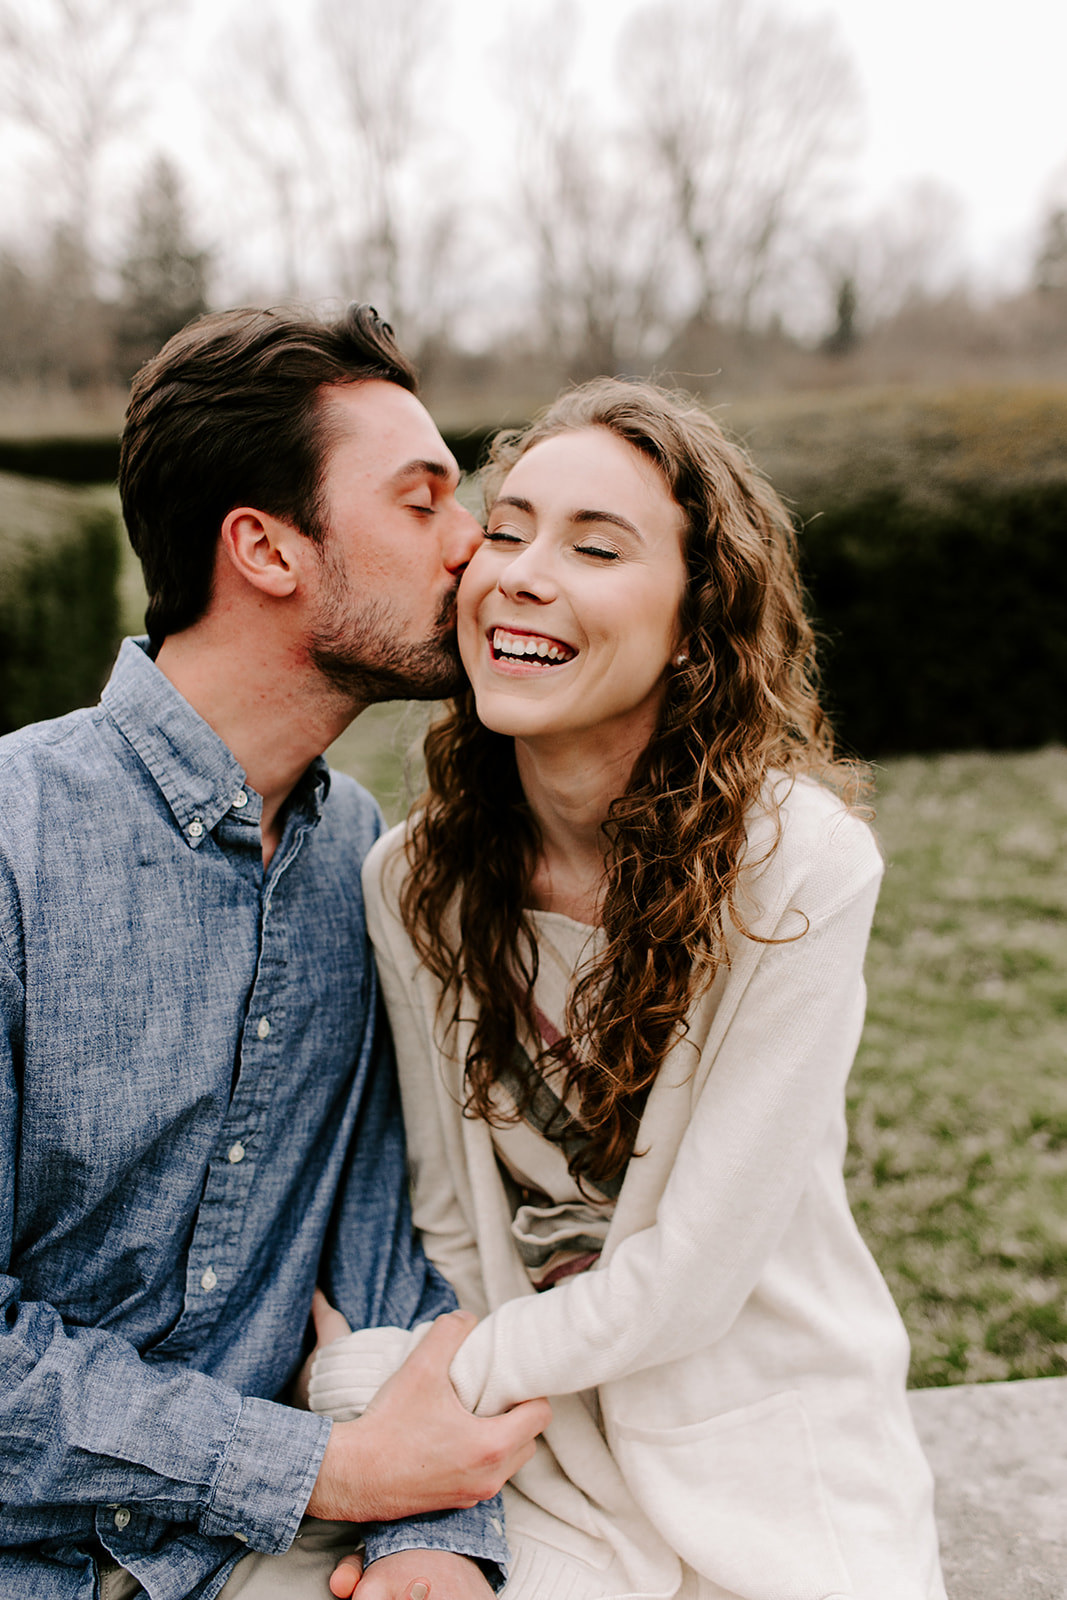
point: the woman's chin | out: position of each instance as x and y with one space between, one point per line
511 716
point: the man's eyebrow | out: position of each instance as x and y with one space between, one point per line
424 469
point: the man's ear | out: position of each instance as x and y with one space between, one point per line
266 552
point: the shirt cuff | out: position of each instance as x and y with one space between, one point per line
267 1474
477 1533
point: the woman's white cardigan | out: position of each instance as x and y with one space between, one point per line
747 1359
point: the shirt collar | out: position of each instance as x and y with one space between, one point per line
198 776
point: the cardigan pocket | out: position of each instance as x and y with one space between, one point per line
740 1498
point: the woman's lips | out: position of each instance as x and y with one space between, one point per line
528 649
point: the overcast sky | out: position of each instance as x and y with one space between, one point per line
972 92
969 92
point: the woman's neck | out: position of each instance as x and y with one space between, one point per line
569 788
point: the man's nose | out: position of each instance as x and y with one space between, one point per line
462 540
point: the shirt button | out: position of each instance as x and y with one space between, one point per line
122 1517
236 1153
209 1280
263 1027
242 1536
196 828
239 801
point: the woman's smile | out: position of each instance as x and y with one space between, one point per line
516 648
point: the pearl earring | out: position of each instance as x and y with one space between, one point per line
680 659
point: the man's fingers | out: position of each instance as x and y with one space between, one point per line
444 1339
517 1429
531 1417
346 1575
330 1324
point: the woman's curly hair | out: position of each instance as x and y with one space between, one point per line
744 703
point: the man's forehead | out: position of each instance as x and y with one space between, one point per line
389 426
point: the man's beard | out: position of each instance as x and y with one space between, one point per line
360 653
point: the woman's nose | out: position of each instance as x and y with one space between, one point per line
529 575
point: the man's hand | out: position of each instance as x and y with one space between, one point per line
415 1449
412 1575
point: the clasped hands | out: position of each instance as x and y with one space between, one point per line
416 1449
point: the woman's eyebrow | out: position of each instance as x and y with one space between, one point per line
581 517
607 516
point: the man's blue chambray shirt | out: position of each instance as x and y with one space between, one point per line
197 1103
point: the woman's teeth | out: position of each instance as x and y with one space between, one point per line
521 646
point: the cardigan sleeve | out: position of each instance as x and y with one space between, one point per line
775 1086
435 1158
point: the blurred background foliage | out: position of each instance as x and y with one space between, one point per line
692 229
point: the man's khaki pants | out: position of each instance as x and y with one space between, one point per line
302 1573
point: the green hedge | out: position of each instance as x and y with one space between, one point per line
945 626
74 460
934 546
96 459
59 618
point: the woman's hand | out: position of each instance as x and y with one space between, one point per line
416 1449
412 1575
346 1575
329 1325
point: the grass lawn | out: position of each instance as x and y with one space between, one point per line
958 1164
958 1103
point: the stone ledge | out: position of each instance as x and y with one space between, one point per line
999 1456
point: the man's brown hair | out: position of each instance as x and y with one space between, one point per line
229 413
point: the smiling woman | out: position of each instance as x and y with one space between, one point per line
622 946
568 613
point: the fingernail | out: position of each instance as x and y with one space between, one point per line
419 1591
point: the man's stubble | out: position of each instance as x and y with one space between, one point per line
360 652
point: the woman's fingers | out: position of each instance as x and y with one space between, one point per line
346 1575
330 1324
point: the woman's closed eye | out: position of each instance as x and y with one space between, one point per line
602 552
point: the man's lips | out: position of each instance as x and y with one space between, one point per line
537 649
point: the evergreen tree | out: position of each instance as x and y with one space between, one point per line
844 336
1050 268
164 275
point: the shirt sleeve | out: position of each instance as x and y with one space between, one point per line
86 1422
374 1270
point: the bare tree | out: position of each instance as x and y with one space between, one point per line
72 72
742 115
336 135
595 255
380 56
278 138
